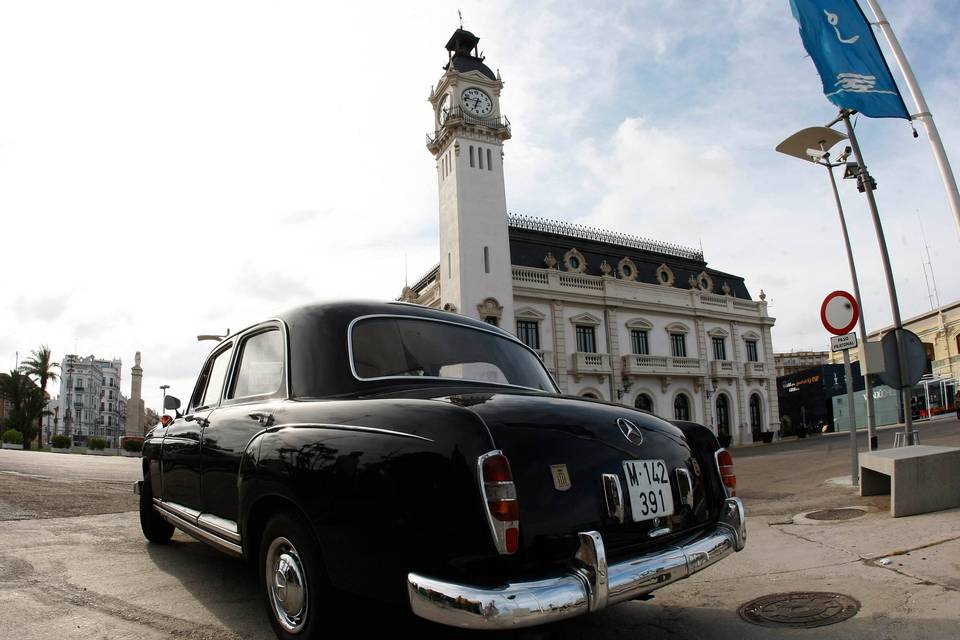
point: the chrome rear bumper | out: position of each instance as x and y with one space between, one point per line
589 585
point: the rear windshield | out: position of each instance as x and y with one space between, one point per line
387 347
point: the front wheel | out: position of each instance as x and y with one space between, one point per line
154 527
297 593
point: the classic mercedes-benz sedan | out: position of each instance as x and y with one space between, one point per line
415 456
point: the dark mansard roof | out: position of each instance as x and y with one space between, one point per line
531 239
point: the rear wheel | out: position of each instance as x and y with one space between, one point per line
297 592
154 527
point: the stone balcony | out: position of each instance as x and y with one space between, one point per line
596 364
723 369
754 370
646 365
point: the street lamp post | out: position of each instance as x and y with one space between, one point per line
163 404
866 180
813 144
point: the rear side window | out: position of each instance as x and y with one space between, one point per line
211 380
261 365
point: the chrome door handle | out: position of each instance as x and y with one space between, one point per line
200 420
265 418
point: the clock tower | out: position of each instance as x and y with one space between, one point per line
475 273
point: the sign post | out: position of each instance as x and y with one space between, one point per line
839 313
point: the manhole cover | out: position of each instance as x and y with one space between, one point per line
799 609
836 514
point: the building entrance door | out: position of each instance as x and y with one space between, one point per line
723 416
755 417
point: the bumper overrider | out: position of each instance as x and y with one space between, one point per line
588 585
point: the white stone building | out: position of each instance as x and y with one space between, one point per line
614 317
90 400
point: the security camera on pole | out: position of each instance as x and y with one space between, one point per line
839 313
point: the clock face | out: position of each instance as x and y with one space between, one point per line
443 109
477 102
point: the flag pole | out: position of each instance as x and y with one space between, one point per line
923 112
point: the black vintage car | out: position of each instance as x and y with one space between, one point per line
420 457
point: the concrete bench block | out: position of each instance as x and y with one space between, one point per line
919 479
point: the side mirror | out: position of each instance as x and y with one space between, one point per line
171 402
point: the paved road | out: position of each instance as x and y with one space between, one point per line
787 477
37 484
61 467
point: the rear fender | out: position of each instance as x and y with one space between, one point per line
380 505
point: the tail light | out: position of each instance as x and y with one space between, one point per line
500 498
727 475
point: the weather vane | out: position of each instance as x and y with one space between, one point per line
460 15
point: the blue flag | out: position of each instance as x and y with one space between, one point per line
841 42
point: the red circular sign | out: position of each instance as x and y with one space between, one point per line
839 313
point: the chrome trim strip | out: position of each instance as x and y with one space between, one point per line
220 526
178 510
567 594
613 496
346 427
500 334
192 522
180 440
201 534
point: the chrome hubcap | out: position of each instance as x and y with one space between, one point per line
286 585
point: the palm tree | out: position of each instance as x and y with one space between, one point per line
27 403
40 365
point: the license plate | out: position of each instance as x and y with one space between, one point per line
648 485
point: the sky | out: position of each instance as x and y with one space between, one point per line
178 168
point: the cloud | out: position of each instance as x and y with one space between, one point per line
44 308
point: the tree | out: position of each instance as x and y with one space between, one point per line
28 404
41 366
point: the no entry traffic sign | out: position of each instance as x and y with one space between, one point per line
839 313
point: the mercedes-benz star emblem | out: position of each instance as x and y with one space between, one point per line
630 431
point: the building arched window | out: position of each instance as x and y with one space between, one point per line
681 407
480 156
644 402
471 157
489 161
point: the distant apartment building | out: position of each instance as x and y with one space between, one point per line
90 400
796 361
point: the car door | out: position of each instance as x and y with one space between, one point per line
253 393
181 458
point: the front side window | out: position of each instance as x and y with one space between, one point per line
211 380
752 351
261 365
529 333
586 339
719 349
678 345
396 347
639 342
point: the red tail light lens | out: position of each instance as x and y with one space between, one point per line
727 475
500 496
496 468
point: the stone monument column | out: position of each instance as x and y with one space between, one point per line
136 417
